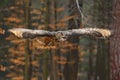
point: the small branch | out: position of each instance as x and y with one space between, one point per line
77 2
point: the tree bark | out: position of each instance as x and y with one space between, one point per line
28 54
71 69
115 43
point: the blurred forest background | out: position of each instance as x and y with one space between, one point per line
80 58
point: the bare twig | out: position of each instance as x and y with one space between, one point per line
79 8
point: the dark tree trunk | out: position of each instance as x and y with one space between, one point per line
102 61
71 69
28 54
115 43
102 19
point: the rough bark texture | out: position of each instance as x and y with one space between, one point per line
115 43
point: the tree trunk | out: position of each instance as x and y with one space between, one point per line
71 68
102 19
115 43
28 54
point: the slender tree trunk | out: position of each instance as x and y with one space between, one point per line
54 52
71 68
102 60
91 60
46 51
102 19
28 54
